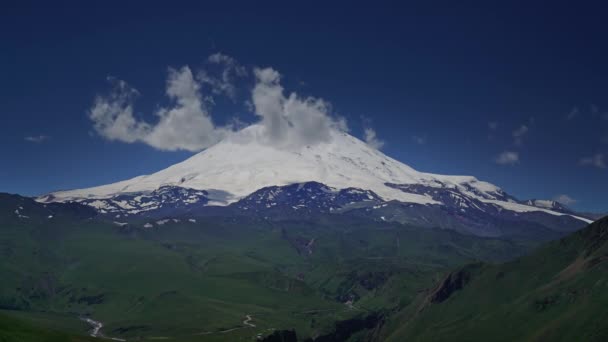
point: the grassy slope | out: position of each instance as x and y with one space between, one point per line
14 329
182 280
139 286
560 292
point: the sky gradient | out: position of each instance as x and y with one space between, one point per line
514 95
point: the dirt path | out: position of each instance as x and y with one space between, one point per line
96 329
248 320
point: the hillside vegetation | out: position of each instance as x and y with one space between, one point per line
557 293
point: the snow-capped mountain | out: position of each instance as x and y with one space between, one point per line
307 197
164 200
345 170
243 163
548 204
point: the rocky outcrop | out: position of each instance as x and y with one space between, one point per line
453 282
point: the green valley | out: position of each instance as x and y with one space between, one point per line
224 279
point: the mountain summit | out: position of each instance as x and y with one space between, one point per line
246 162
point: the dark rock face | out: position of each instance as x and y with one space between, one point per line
453 282
458 209
462 208
595 235
310 197
71 209
166 200
470 215
25 209
450 196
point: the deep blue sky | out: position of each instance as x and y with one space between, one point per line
440 73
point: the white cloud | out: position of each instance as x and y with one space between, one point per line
493 127
564 199
595 110
112 115
573 113
185 126
291 120
419 140
507 158
519 134
598 160
37 138
371 138
224 81
287 120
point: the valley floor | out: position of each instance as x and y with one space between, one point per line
222 279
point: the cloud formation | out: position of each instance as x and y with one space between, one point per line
507 158
573 113
519 134
37 138
564 199
597 160
286 120
371 138
291 120
419 140
224 82
112 115
186 125
595 110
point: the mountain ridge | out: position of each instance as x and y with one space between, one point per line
555 293
244 163
233 172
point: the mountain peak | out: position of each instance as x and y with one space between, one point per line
245 162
